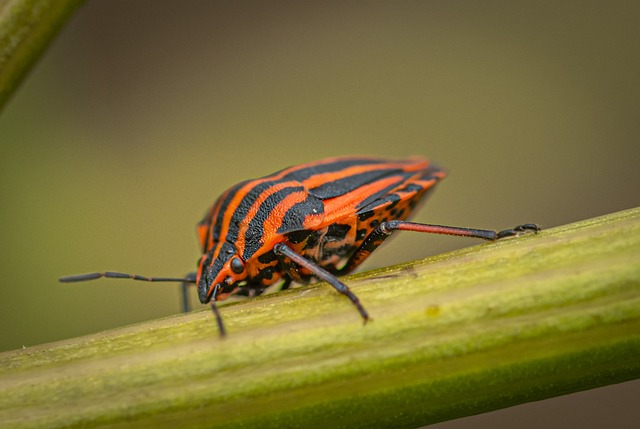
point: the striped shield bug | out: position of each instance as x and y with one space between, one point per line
318 221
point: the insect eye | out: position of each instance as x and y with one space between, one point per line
237 266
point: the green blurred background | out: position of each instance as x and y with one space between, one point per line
141 113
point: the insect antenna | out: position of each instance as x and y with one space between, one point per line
185 281
114 275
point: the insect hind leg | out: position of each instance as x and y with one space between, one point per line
485 234
384 230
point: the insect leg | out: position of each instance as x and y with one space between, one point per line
283 251
486 234
184 291
219 322
216 312
286 283
384 230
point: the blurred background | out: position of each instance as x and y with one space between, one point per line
141 113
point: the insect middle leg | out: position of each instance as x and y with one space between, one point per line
384 230
285 252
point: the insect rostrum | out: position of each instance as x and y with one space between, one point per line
318 220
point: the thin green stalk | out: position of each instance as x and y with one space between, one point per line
462 333
26 29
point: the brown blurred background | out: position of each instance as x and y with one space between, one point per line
142 113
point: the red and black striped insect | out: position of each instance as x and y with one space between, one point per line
312 221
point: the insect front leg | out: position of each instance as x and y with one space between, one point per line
384 230
188 282
216 313
285 252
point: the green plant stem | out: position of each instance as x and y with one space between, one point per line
26 29
461 333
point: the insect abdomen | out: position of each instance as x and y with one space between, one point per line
398 194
